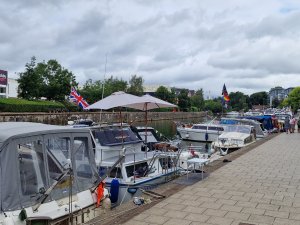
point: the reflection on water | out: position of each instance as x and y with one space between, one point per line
168 129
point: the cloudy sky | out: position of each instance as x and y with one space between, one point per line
251 45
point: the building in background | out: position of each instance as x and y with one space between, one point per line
279 92
8 86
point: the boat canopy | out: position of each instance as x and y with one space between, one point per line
115 136
244 121
33 157
265 120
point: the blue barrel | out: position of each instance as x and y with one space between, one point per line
114 190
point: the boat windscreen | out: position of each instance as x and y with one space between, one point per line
115 137
240 129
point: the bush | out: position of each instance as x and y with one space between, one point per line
22 105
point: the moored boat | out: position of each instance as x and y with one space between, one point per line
48 175
200 132
129 163
234 137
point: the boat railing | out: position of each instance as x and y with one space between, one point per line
164 155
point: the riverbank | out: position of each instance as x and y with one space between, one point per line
61 118
129 210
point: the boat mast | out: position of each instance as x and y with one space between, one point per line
103 85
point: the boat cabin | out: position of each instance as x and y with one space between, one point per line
42 164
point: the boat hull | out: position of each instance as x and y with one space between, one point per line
129 190
198 135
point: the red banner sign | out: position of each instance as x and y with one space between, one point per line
3 77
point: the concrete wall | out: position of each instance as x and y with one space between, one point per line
61 118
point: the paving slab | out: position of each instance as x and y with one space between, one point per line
261 186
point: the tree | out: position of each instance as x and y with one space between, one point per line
92 91
49 80
112 85
239 101
293 99
215 106
197 100
136 85
258 98
166 95
57 81
29 82
184 101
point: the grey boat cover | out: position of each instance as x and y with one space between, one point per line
34 155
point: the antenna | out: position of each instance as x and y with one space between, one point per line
104 75
103 84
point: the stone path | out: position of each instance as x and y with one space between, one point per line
261 187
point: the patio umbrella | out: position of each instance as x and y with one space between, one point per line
116 99
148 102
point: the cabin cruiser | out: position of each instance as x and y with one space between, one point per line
260 132
234 137
200 132
129 164
154 140
48 175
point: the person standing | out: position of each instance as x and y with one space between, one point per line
287 125
292 124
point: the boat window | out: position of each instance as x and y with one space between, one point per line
115 136
83 168
114 173
59 156
31 165
59 147
216 128
138 169
238 128
199 127
150 136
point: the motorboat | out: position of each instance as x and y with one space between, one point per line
234 137
130 165
154 140
200 132
260 131
48 175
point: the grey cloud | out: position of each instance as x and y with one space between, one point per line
280 25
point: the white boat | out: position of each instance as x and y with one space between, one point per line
200 132
234 137
48 175
154 139
137 168
259 131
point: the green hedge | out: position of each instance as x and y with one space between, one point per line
22 105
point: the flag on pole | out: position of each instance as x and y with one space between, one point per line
75 97
226 98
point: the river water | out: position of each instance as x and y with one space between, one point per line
168 129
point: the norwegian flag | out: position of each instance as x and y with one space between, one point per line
75 97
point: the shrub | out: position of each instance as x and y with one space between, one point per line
22 105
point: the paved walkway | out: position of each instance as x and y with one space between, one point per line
260 187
